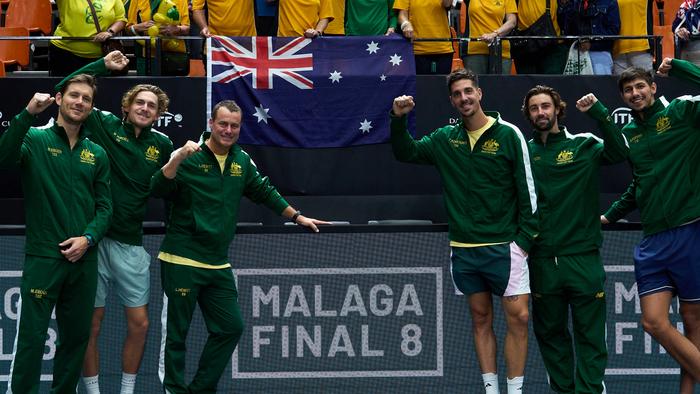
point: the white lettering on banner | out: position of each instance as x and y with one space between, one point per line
351 315
353 301
9 316
629 338
11 298
621 116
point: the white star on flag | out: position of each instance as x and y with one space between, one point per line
395 60
382 77
365 126
372 47
261 114
335 76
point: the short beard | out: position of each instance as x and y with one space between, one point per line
546 127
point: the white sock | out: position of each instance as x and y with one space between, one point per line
92 384
490 383
128 383
515 385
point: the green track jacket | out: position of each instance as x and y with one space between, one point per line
664 149
133 161
66 192
205 203
489 192
566 175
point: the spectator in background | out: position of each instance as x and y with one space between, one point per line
592 18
66 56
140 22
370 17
552 60
427 19
336 27
266 17
635 20
307 18
488 20
224 17
687 23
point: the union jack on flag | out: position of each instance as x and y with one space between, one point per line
299 92
262 62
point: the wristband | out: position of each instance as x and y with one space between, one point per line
90 240
110 31
404 24
296 216
133 31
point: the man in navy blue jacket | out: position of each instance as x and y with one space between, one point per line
591 18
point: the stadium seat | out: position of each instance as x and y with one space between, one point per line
14 51
197 68
35 15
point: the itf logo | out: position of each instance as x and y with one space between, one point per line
167 119
621 116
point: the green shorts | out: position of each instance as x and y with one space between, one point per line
500 269
126 268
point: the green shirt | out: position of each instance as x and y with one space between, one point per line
566 175
133 161
205 203
66 191
489 191
369 17
664 148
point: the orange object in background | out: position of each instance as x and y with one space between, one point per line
35 15
14 51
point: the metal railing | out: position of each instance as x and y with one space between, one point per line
495 48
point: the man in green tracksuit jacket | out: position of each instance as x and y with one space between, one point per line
664 148
136 151
491 206
205 183
65 178
566 271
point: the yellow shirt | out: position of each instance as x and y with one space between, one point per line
140 11
474 135
229 17
529 11
175 259
222 161
429 20
633 22
485 16
295 16
337 25
76 21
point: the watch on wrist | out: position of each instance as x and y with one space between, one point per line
296 216
110 31
90 240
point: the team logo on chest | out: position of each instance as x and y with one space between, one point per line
152 153
565 156
236 169
490 146
87 157
663 124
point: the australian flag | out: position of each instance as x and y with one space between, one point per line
304 93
